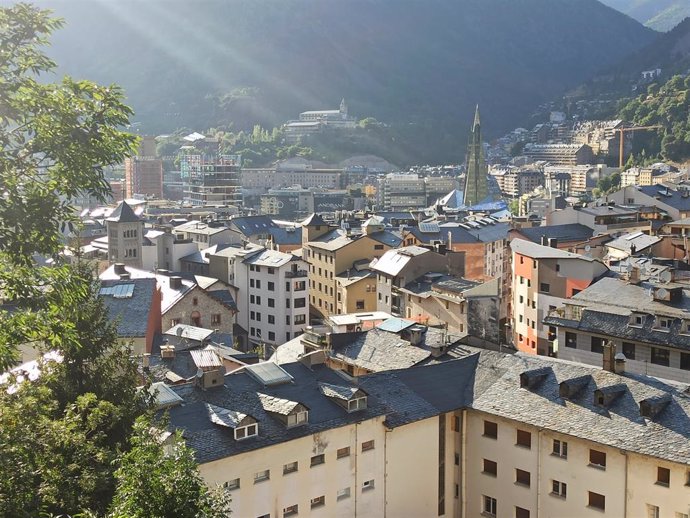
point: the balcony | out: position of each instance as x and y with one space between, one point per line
292 274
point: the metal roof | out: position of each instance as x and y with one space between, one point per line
394 325
269 374
165 396
206 358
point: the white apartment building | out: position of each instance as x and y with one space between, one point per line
273 296
487 434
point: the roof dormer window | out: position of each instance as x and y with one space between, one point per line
244 432
664 323
359 403
297 418
637 320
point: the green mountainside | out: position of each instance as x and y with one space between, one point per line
666 105
412 64
660 15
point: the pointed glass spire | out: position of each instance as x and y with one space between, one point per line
476 185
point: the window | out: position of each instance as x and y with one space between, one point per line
559 489
367 445
232 484
318 459
378 247
174 322
490 429
652 511
637 320
359 403
524 439
457 459
290 467
571 340
258 300
318 501
297 418
287 302
215 318
271 319
243 432
251 283
368 484
251 299
271 303
343 493
260 476
272 336
597 459
560 448
629 350
597 345
665 324
488 506
271 270
521 513
597 501
291 510
359 304
544 287
343 452
258 316
685 361
300 303
258 283
300 319
660 356
681 515
663 476
490 468
522 477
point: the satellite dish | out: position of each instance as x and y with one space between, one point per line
666 276
629 268
178 331
662 293
587 248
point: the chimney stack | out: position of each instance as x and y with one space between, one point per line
609 357
119 268
553 242
544 241
175 282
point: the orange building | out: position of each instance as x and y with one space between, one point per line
542 277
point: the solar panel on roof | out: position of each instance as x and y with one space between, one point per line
119 291
429 228
269 373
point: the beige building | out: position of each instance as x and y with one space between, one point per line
125 236
487 434
332 252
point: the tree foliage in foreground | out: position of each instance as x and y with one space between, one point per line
63 433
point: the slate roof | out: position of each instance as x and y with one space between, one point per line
270 258
675 198
342 392
313 220
569 232
224 297
252 225
376 350
387 238
283 236
458 234
640 240
608 305
132 313
123 214
487 381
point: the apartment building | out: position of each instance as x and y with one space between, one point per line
503 436
211 179
273 296
648 322
609 218
543 277
560 154
331 252
514 182
674 199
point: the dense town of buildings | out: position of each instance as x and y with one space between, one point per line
351 340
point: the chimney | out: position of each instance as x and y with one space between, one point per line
175 282
125 276
544 241
553 242
119 268
168 351
146 361
619 363
635 275
609 356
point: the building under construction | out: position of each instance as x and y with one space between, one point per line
211 180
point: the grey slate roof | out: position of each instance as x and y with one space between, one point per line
123 214
568 232
674 198
338 391
252 225
488 382
387 237
376 350
536 251
132 312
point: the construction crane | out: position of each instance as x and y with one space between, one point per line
623 131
